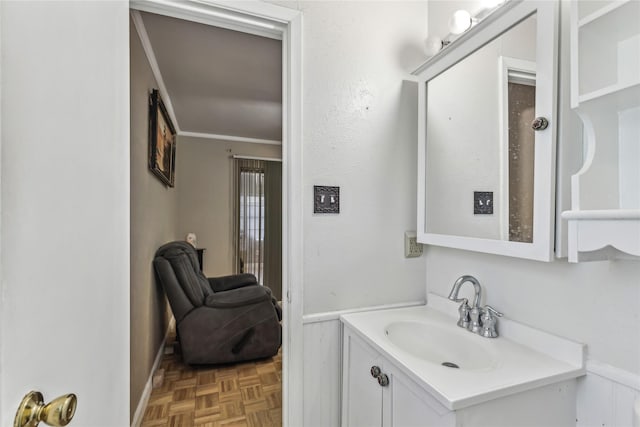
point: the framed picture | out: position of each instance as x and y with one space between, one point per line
162 140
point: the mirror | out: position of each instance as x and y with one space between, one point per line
486 179
480 141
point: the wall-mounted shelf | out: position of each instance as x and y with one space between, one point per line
596 10
620 95
603 234
605 47
604 221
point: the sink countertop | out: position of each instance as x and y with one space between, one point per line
524 357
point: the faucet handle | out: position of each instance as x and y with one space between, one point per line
492 310
463 311
489 322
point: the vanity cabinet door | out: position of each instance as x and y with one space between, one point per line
361 393
411 406
399 403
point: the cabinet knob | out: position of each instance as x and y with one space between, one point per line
539 123
383 380
375 371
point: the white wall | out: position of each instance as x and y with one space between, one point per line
360 134
64 311
588 302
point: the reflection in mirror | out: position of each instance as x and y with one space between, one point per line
521 111
479 140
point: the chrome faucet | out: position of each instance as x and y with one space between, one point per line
469 316
479 320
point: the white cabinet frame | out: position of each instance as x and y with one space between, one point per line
546 106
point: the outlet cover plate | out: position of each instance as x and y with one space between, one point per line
412 249
326 199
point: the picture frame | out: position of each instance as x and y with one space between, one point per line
162 140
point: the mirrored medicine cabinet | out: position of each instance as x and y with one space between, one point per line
487 128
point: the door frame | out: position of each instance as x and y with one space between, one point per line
287 25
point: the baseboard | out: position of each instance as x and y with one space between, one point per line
146 393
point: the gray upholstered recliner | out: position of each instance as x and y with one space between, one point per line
218 320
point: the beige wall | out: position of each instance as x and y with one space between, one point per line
204 188
153 222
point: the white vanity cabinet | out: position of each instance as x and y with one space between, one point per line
401 402
604 220
407 401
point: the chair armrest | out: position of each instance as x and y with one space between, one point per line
238 297
226 283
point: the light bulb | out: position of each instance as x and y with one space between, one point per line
459 22
433 44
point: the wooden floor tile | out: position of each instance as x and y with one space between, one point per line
241 395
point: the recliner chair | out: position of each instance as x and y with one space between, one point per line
218 320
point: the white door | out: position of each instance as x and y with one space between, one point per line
64 306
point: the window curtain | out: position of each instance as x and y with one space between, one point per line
258 221
273 227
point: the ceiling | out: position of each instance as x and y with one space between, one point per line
219 82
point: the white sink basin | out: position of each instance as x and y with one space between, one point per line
443 346
418 340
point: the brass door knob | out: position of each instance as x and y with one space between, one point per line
58 412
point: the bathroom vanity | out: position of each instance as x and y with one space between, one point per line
414 366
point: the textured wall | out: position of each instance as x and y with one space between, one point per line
360 133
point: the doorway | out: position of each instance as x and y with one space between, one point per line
286 23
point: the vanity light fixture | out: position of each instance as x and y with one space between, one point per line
433 45
460 21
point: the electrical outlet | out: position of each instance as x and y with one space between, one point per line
412 248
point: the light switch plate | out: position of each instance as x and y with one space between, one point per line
412 249
326 199
483 202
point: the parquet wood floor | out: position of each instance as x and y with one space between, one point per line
241 395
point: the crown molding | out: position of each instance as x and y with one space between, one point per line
219 14
231 138
153 63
